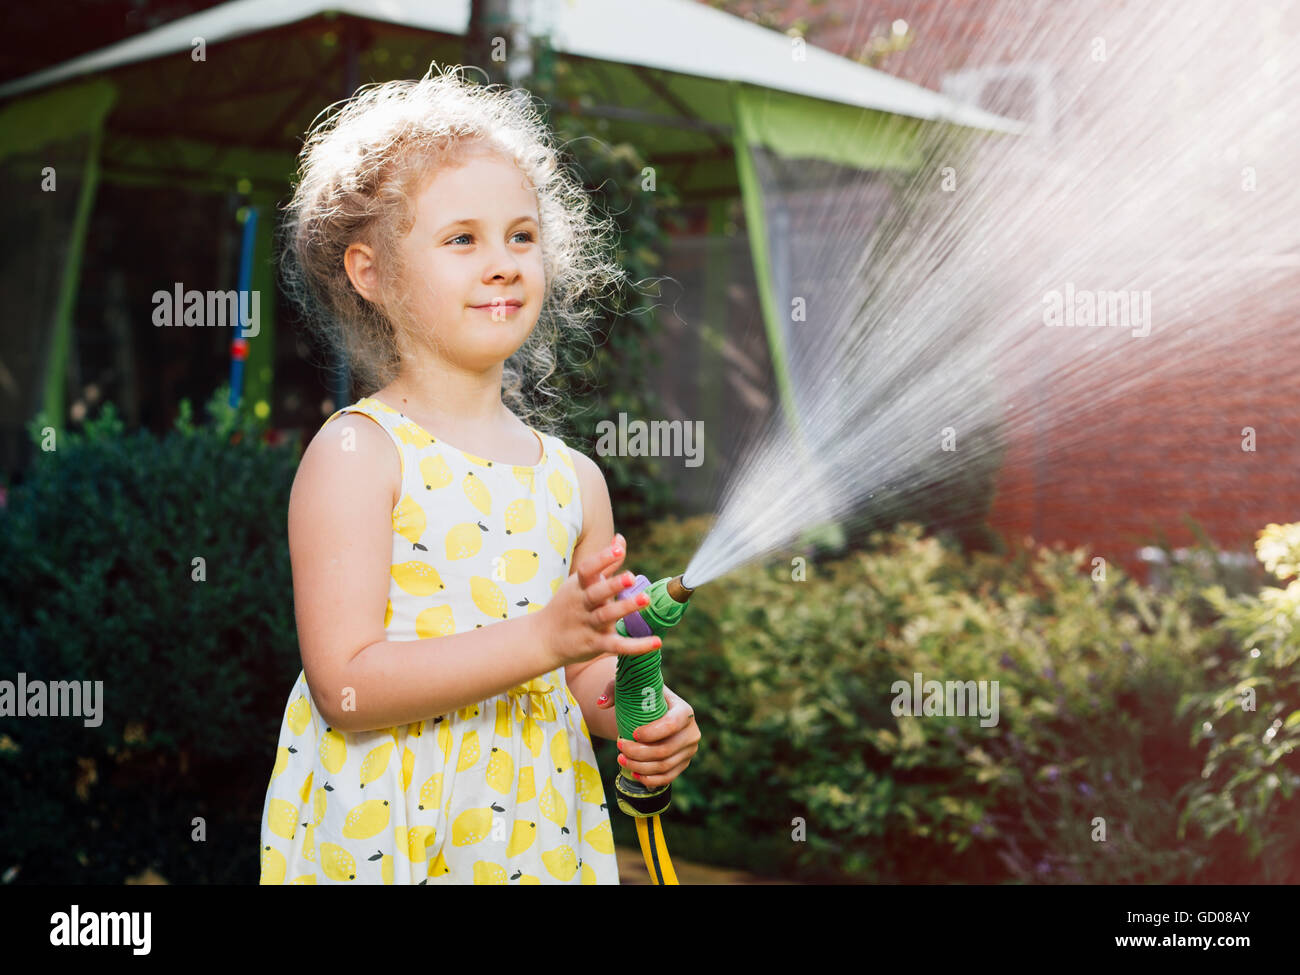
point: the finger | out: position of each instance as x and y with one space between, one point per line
594 567
666 776
658 731
627 646
609 587
620 553
619 547
648 766
616 609
604 589
644 749
606 700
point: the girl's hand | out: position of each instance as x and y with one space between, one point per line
662 748
578 622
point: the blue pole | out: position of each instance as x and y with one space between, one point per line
239 345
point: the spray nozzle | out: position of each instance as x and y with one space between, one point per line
668 599
678 589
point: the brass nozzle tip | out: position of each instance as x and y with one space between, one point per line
678 590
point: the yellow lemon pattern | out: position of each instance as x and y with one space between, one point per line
409 521
518 565
435 621
465 540
521 516
501 791
434 473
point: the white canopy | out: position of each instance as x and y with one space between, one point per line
679 36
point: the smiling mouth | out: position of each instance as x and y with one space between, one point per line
507 308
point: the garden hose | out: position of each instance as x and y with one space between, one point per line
638 700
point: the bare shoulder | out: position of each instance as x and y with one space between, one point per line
586 468
353 453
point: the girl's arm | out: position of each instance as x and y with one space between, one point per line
588 680
340 546
589 683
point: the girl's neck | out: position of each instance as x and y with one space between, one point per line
450 405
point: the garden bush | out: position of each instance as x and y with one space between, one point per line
1250 719
101 584
792 684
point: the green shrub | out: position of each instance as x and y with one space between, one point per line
98 547
1251 719
792 687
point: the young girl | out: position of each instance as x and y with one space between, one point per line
455 569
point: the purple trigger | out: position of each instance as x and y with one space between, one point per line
632 622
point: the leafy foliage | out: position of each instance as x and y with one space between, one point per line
1251 718
101 584
793 685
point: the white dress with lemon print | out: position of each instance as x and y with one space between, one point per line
502 792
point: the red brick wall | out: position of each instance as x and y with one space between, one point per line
1173 447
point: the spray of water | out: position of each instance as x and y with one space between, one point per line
1160 206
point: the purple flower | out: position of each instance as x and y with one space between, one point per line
1044 866
1085 789
1106 777
1052 774
1050 673
1006 661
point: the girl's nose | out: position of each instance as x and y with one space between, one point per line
503 266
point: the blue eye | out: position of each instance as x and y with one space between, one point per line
525 233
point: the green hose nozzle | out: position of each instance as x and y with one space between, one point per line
639 685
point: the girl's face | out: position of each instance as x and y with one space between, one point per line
474 261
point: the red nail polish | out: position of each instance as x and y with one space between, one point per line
634 731
635 776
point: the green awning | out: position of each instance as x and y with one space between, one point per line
50 151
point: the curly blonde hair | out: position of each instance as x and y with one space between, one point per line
359 171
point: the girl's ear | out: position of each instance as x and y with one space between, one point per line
359 262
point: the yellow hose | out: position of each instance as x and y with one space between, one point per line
655 851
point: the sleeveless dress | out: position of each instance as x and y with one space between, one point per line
505 791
